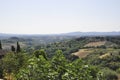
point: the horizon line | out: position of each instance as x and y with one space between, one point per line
57 33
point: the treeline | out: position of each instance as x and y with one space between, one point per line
70 46
0 45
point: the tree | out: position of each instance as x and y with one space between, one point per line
58 64
18 47
9 65
12 48
0 45
73 57
36 69
37 53
56 68
107 74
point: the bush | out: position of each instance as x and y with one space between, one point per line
107 74
113 65
118 70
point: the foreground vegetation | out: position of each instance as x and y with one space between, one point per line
22 66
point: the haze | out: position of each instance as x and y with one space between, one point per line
59 16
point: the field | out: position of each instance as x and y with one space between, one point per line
82 53
95 44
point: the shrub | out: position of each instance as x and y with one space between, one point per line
107 74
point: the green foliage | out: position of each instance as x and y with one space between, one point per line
10 63
58 58
12 48
58 68
67 46
71 46
118 70
36 69
79 70
73 57
37 53
1 70
113 65
0 45
107 74
58 64
18 47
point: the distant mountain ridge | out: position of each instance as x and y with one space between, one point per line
2 35
93 34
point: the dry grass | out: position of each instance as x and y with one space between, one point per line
82 53
95 44
104 55
9 76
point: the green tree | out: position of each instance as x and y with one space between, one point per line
107 74
12 48
0 45
58 63
18 47
37 53
1 69
36 69
9 64
57 68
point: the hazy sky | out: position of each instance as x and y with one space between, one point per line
59 16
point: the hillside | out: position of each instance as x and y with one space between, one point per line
28 41
38 39
73 45
77 34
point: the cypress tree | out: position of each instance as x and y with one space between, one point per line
12 48
0 45
18 47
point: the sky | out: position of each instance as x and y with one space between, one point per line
59 16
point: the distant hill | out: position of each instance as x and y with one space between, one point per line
93 34
3 35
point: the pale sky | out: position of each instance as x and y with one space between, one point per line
59 16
